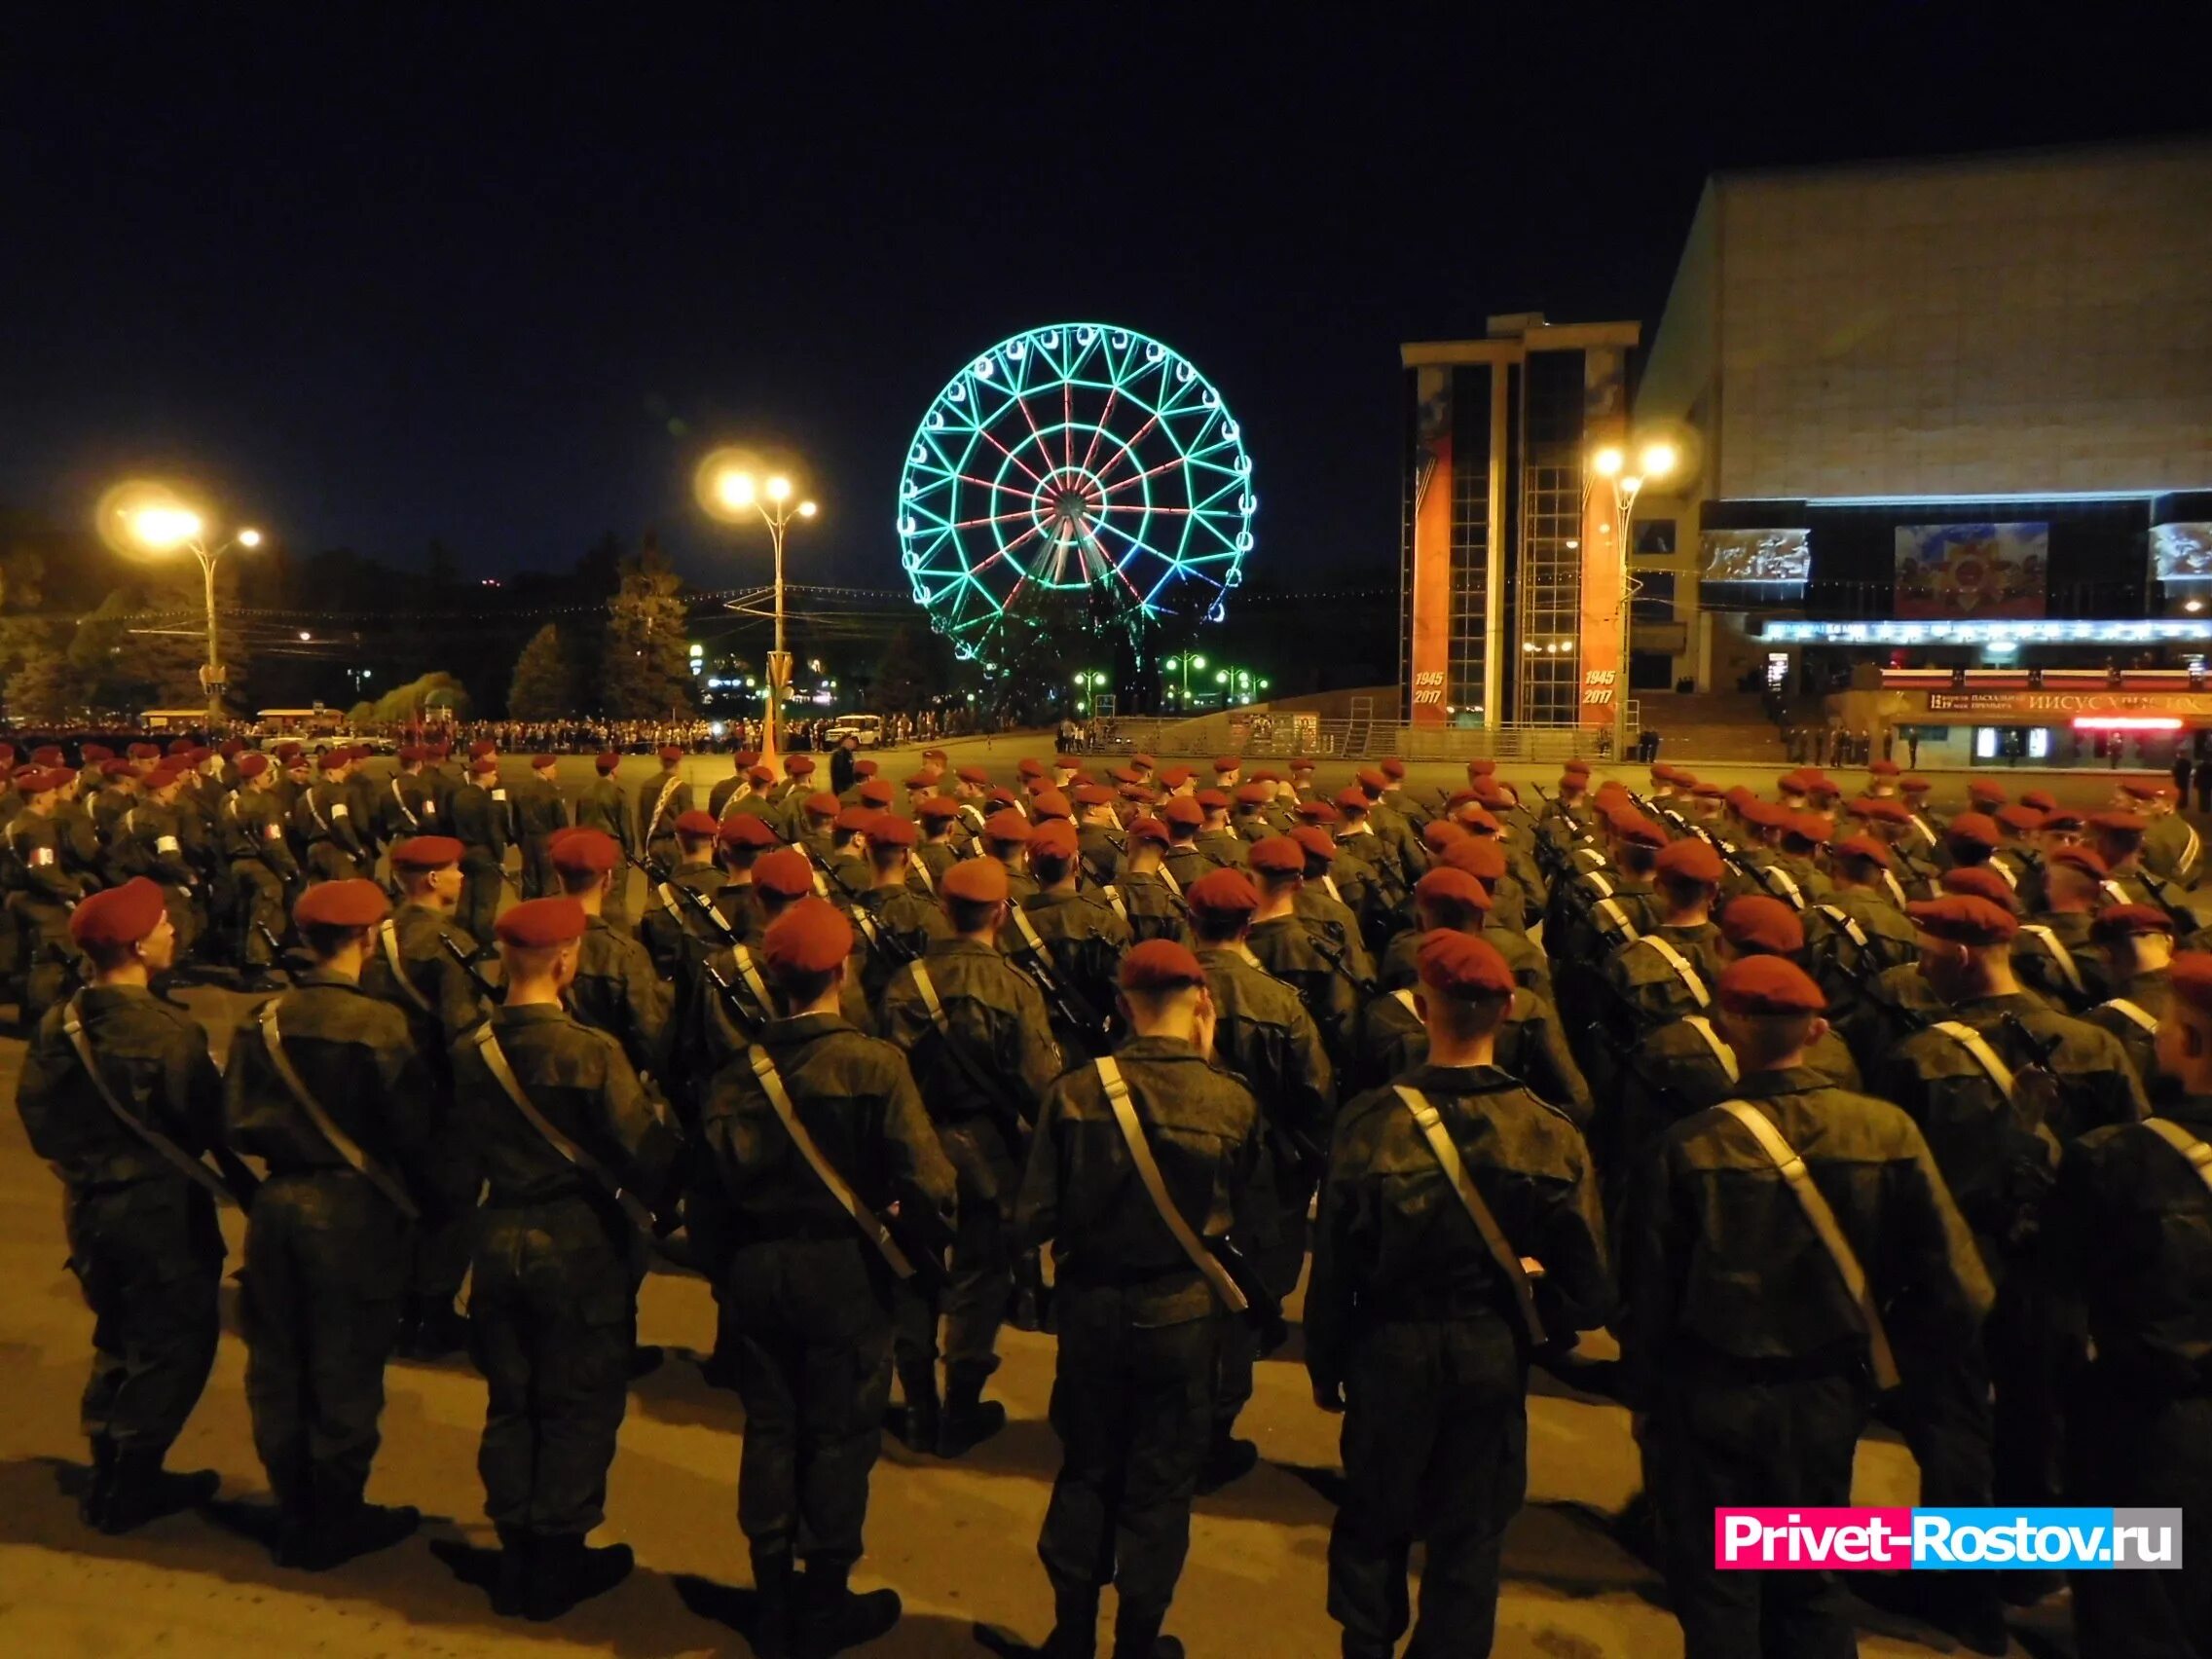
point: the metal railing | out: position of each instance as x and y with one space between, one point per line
1261 734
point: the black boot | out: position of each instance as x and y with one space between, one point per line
1139 1638
1028 1312
347 1526
969 1419
142 1491
99 1484
512 1586
918 1430
774 1579
564 1572
435 1330
1228 1459
831 1619
1075 1626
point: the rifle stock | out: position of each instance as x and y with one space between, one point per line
484 987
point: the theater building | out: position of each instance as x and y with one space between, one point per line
1945 430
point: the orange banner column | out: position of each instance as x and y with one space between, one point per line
1429 661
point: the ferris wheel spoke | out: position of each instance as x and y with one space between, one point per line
1127 447
1091 450
992 439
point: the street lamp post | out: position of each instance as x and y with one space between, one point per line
772 500
1655 461
166 528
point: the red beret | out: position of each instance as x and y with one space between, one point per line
1864 847
2021 819
1255 795
2192 982
1008 828
1054 839
2042 800
1280 855
1092 795
354 903
1639 831
1182 810
786 872
1449 886
55 778
887 829
542 760
1477 820
1146 762
1963 919
606 763
410 754
1769 985
484 766
744 761
670 752
1754 923
1226 763
285 751
1462 967
1811 828
331 760
1393 767
1314 841
1160 965
1691 860
746 830
425 852
1148 829
866 767
1913 785
811 937
937 809
1350 801
822 804
2124 921
974 775
2146 789
1440 833
1739 797
117 769
1883 769
1482 859
1765 814
1001 797
876 792
695 822
1371 781
1318 812
585 852
145 750
1883 811
1050 803
541 924
1224 893
1980 881
925 779
860 816
1581 768
976 881
119 916
1175 776
1972 830
481 748
2064 818
760 777
1213 800
2087 860
1483 769
2117 822
1984 793
1028 767
252 765
798 766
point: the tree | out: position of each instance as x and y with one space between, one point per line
646 671
916 663
45 689
439 693
545 685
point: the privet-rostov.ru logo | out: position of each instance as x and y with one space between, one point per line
1890 1539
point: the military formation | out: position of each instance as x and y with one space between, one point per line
1828 1107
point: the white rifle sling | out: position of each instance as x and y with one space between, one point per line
340 1141
915 864
575 1156
1814 1203
749 971
2200 1154
1723 1054
1502 1255
2068 969
1680 964
388 936
865 1219
1986 1057
1156 1188
182 1160
2136 1014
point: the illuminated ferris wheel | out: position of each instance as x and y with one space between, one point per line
1078 466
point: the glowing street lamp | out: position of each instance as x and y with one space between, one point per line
1655 460
737 490
164 528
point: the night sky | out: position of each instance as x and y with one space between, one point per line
501 282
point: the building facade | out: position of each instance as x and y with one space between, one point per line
1921 395
1510 573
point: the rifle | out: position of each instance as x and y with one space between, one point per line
484 987
1333 956
700 902
749 1020
276 944
1067 1002
1909 1020
2185 920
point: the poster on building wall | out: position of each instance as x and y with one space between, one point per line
1757 555
1954 571
2181 552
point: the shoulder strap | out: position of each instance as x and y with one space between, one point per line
1721 1053
2188 853
185 1165
749 971
1031 942
388 936
1977 1045
1113 899
1789 890
1156 1188
1430 1122
399 799
867 1220
2200 1154
1897 892
2004 870
1844 920
1404 995
2136 1014
340 1141
1814 1203
1176 887
2067 969
660 805
1329 882
2115 893
1680 964
915 864
1605 888
668 903
503 1073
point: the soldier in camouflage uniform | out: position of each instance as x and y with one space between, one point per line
262 867
603 806
143 1241
977 1037
477 815
1279 939
322 823
1078 935
1140 1321
1749 1363
1156 910
540 812
553 1304
671 923
1418 1332
414 970
812 1298
1263 1033
616 989
936 850
326 1087
662 799
2137 943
